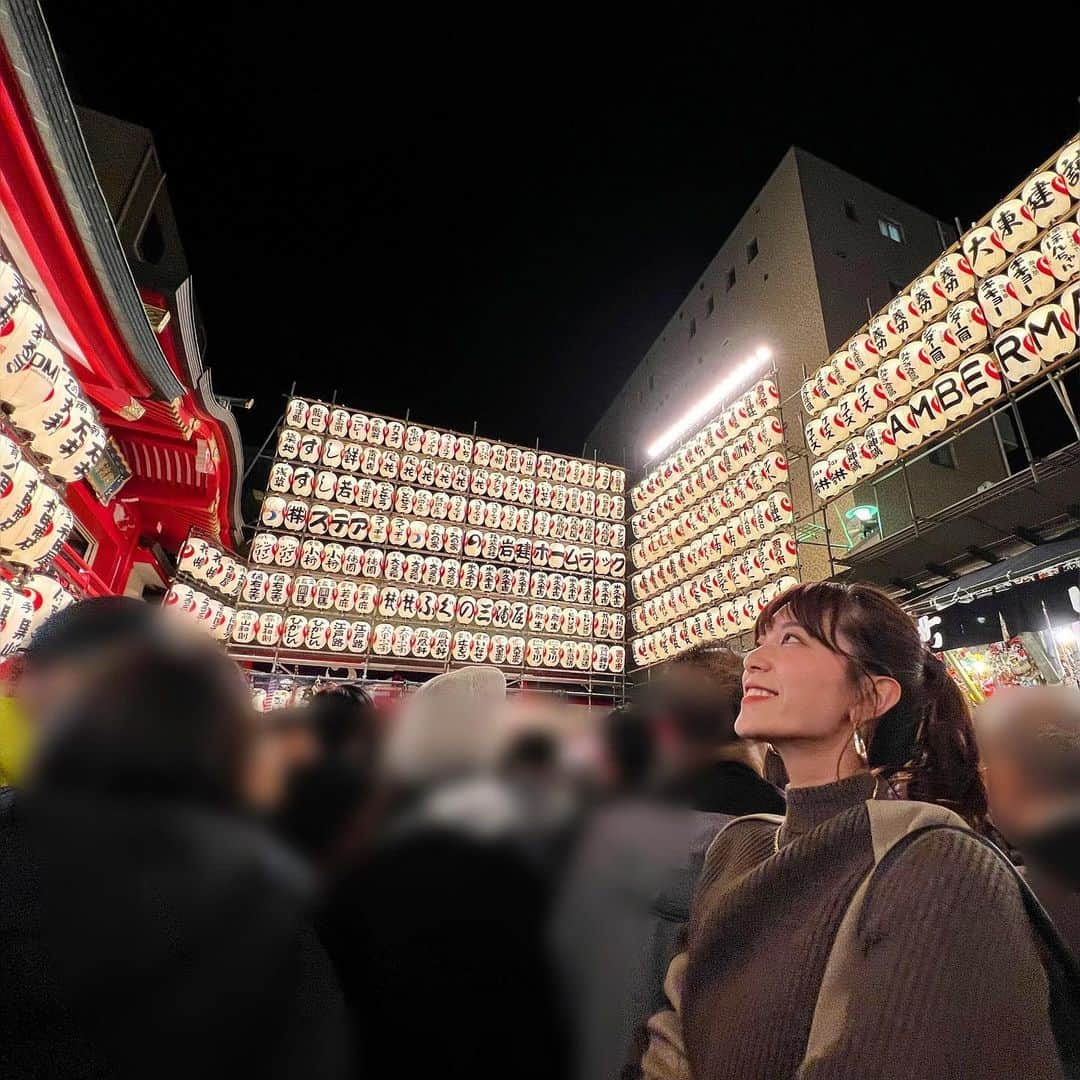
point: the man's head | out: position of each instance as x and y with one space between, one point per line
1029 742
694 705
70 646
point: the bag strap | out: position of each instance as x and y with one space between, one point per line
891 820
772 819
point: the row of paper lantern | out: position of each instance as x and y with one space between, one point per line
416 569
322 519
38 386
343 447
299 633
728 577
26 604
329 486
1047 198
206 562
280 589
966 325
434 537
34 522
758 478
739 417
1047 335
725 620
725 534
757 445
200 609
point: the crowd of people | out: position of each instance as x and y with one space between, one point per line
808 861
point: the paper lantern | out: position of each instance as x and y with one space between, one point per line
1014 224
779 509
845 371
1068 168
1046 197
1051 332
863 353
999 299
967 324
272 512
984 250
1069 299
884 335
1061 247
929 297
1032 275
956 402
819 479
848 414
940 345
871 400
927 413
832 428
903 428
766 395
840 475
880 447
775 467
854 461
955 274
1016 355
904 316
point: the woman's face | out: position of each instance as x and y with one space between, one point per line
795 688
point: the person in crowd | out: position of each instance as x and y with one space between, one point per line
284 744
627 753
437 933
148 925
1029 739
939 974
327 807
68 648
627 897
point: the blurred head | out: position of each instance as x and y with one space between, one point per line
840 669
166 718
72 645
694 705
1029 739
284 742
344 721
532 755
628 749
454 725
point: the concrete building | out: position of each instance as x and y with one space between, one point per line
816 251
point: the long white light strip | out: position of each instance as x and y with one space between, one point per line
708 403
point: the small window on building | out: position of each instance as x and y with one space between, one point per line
751 250
710 305
700 360
731 279
891 230
652 383
81 542
945 456
849 211
693 327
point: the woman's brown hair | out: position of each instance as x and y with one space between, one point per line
925 744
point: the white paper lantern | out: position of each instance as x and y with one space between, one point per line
967 324
880 448
864 353
940 345
1069 299
955 401
981 377
999 299
1068 168
984 250
1051 332
871 400
1016 355
1013 223
927 412
884 334
905 317
903 429
844 368
1061 247
849 417
930 297
955 274
1032 275
841 476
1046 196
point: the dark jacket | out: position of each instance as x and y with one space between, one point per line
1052 868
148 939
627 902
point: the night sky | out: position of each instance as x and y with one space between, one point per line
492 221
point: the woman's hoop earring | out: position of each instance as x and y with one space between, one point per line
860 745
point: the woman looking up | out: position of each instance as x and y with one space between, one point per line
940 973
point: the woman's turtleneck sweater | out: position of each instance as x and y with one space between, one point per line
948 981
